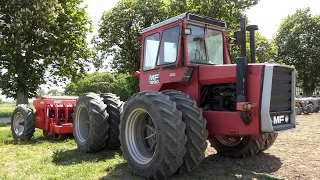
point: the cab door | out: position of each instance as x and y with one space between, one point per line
161 61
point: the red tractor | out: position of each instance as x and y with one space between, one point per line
190 92
53 115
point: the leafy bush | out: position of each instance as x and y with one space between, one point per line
103 82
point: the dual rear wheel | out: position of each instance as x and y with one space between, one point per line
95 122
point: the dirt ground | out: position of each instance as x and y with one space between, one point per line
294 155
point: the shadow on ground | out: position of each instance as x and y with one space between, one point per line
217 167
74 156
35 140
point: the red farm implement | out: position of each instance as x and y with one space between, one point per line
53 115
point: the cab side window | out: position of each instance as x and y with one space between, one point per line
151 45
169 46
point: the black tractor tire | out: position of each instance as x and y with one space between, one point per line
246 147
90 123
196 130
27 122
113 108
317 109
164 157
269 141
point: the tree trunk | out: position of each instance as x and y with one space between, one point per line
22 98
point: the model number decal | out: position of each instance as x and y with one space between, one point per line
154 79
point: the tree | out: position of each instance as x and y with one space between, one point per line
40 92
54 92
266 50
298 41
101 83
117 35
41 41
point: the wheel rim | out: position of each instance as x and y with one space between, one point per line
18 123
141 135
82 124
229 140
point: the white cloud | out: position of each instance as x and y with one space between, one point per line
268 14
95 10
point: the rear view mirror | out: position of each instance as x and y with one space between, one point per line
231 41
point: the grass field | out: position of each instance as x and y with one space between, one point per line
7 109
295 155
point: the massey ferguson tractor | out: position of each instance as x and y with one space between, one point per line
190 92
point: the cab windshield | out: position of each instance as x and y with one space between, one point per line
205 48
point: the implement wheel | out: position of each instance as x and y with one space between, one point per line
90 125
152 135
113 108
238 146
196 130
22 122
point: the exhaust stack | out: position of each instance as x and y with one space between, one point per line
252 30
241 70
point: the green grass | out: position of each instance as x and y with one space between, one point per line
39 158
6 111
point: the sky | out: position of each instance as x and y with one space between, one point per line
267 14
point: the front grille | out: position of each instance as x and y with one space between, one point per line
281 99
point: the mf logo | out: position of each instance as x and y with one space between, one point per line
154 79
279 119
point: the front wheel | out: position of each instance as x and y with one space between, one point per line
238 146
152 135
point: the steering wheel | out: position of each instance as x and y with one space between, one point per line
195 55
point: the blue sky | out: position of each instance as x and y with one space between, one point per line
268 14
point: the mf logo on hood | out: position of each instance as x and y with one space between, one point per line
280 119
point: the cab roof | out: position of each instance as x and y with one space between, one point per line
188 17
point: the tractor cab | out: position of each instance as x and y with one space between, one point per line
184 40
